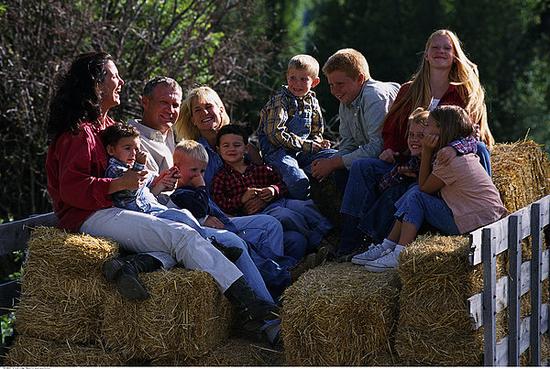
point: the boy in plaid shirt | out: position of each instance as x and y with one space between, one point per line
291 127
245 188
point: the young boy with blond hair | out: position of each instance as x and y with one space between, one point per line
291 127
364 102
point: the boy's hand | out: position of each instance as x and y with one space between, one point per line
322 168
213 222
254 205
166 180
141 157
406 171
267 193
388 155
326 144
249 194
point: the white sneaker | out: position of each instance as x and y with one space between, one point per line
389 260
373 253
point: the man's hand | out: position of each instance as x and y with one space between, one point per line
213 222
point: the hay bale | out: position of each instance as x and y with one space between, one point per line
521 173
28 351
239 352
185 317
62 286
338 314
434 325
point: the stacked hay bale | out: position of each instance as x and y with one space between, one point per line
339 314
238 352
185 317
434 325
521 172
28 351
69 315
62 290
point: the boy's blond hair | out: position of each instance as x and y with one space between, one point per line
193 149
349 61
304 62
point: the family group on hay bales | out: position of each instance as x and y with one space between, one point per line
183 186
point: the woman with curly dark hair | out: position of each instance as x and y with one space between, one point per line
75 167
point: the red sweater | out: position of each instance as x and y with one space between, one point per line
75 166
394 131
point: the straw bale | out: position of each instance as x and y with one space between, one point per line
72 254
521 173
236 352
338 314
185 317
59 320
62 286
29 351
434 324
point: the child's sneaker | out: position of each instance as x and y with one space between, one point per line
373 253
389 260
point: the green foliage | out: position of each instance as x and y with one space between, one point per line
6 326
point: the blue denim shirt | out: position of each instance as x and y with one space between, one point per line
142 199
361 121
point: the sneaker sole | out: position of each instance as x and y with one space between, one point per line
377 268
361 261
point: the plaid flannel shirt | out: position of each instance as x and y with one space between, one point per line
282 107
466 145
229 186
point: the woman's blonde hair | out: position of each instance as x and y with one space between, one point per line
184 127
463 74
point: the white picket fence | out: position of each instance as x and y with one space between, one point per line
506 292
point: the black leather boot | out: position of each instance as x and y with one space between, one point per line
123 271
249 306
252 312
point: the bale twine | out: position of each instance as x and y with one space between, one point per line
29 351
521 173
185 317
62 287
338 314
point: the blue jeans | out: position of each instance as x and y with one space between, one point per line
416 206
378 220
484 157
301 216
362 186
229 239
295 167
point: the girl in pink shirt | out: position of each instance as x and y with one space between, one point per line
455 195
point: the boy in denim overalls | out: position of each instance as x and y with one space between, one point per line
291 127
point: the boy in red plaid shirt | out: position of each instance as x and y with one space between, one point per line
244 188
